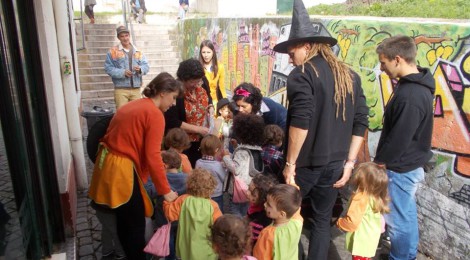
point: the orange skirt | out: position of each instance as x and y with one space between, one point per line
112 181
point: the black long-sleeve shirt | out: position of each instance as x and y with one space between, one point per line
312 107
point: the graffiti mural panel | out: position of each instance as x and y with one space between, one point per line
245 46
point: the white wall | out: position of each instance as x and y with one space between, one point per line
246 8
55 96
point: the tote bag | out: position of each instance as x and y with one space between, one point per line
159 244
239 190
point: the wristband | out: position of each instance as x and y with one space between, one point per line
290 164
349 165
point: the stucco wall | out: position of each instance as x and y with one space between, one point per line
244 46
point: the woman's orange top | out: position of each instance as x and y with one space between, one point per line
133 141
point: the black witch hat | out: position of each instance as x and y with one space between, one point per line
303 30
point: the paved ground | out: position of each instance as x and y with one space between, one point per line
89 236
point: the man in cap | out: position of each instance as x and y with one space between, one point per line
326 122
126 65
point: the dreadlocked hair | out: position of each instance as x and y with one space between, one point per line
341 72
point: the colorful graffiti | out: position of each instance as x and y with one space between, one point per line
246 46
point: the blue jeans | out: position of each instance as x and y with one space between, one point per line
239 209
220 202
402 220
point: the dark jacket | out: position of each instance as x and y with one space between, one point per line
276 115
312 107
405 142
176 115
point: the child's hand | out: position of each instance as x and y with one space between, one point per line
226 152
171 196
234 143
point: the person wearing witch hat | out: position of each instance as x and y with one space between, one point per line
326 122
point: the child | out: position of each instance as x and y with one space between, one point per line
273 136
178 140
280 240
272 155
196 212
177 181
210 146
257 192
230 238
246 160
223 122
363 221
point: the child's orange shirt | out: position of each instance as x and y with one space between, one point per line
280 242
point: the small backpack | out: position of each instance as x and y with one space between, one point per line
97 131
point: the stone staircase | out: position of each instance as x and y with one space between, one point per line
157 41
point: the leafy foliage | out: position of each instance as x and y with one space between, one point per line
447 9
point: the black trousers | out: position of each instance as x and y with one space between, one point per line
130 220
317 184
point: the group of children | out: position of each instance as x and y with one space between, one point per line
267 224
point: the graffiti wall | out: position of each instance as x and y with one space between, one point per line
245 47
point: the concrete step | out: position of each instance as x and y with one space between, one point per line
170 59
97 29
165 53
151 36
165 22
150 49
140 43
112 32
163 65
94 78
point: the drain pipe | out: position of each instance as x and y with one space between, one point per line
62 22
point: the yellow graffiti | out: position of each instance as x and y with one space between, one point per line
344 44
466 65
440 52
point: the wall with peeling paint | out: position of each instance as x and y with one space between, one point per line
244 46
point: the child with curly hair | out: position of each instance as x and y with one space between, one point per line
257 194
363 220
177 139
230 237
280 240
210 147
196 213
246 160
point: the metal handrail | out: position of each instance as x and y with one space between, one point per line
126 17
81 25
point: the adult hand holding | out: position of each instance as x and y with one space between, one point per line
137 69
170 196
345 178
289 173
203 130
